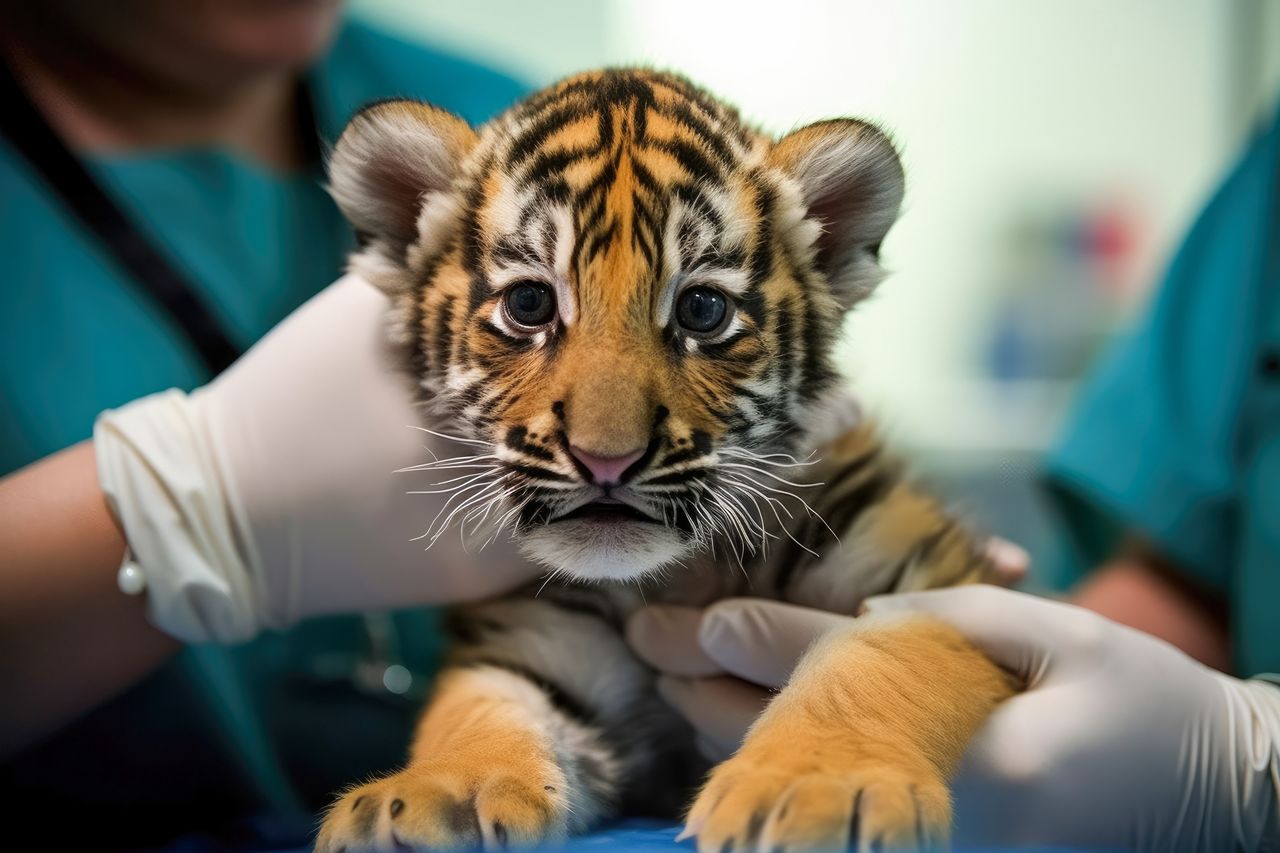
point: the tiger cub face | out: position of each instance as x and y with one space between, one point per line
624 297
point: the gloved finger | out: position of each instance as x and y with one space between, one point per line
720 709
666 638
1020 632
1009 562
762 641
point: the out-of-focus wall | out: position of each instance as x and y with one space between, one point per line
537 40
1056 151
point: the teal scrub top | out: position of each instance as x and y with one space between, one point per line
277 724
1177 436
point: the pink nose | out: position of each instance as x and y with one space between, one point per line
605 470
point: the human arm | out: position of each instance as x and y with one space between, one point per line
1141 588
266 497
68 638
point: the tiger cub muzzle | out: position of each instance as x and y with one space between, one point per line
623 511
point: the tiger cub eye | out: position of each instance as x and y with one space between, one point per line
530 304
702 310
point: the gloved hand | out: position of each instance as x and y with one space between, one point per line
1119 740
272 494
720 667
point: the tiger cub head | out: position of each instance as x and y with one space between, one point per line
623 297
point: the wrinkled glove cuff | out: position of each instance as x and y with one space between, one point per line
162 483
1255 737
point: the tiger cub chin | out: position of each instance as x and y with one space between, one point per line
622 300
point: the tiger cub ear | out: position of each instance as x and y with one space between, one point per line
390 160
851 184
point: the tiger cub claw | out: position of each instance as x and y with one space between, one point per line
749 804
429 808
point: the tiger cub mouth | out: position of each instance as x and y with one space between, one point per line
607 511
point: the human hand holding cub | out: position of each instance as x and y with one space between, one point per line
1119 740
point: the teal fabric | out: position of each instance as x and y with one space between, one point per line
1177 437
276 724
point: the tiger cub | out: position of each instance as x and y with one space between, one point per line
622 300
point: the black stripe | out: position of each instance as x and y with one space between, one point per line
721 348
644 241
815 373
507 341
691 195
443 342
676 478
795 559
515 249
600 241
529 142
590 208
849 470
679 456
925 548
645 179
762 252
535 473
691 158
852 505
719 148
563 701
914 554
784 359
587 607
555 163
517 440
840 518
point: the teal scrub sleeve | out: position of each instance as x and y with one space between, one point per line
1154 447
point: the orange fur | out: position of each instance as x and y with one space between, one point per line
481 771
868 732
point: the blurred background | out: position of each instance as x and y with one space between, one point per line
1055 152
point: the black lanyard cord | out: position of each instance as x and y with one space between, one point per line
25 128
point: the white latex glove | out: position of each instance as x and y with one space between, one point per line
720 666
271 494
1119 741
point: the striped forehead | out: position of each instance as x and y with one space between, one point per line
613 200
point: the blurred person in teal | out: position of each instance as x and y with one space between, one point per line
163 207
1169 479
1170 468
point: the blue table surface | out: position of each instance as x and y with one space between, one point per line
626 835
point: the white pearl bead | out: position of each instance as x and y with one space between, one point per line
397 679
131 580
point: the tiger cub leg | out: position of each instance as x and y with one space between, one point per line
511 751
483 771
859 747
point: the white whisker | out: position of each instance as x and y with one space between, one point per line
456 438
769 474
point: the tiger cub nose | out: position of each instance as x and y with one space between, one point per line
605 470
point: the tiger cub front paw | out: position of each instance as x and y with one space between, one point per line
810 797
449 806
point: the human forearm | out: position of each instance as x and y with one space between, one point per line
68 637
1141 590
